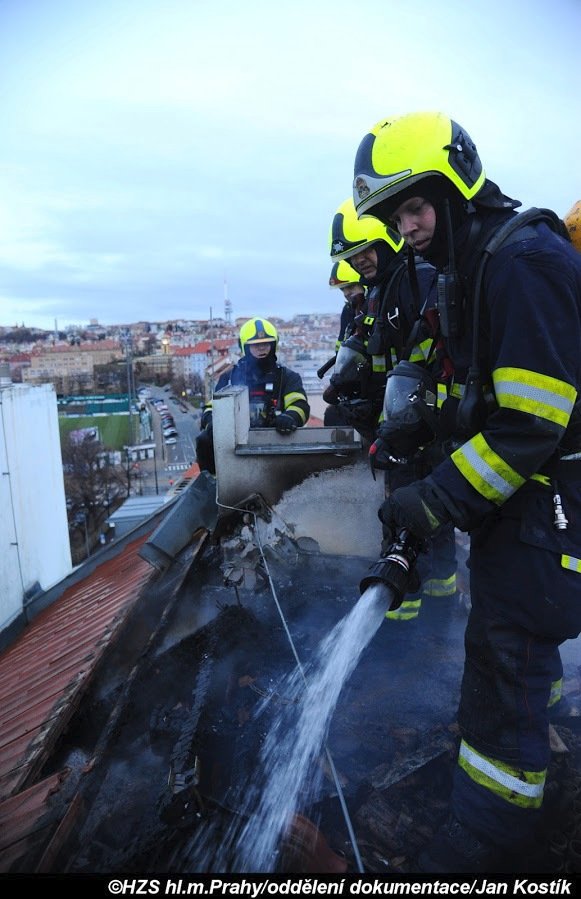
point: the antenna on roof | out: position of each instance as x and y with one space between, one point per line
227 304
211 385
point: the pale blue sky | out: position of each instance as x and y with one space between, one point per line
152 147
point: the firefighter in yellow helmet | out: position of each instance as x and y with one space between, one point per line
394 325
509 320
343 277
373 252
276 394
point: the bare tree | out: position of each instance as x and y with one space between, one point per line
93 486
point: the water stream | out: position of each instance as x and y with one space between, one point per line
290 771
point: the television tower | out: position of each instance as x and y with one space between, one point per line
227 304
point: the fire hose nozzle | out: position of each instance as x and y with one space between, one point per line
395 569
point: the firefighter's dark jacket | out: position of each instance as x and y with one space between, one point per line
394 303
280 388
389 315
530 357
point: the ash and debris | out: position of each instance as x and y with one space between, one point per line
170 784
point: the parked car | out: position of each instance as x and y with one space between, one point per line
170 432
169 441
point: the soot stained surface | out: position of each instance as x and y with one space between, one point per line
173 777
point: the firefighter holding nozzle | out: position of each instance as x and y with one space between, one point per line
509 319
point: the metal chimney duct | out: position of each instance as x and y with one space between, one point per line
195 509
5 378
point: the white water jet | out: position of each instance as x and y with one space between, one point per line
289 770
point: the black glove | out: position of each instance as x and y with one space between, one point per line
416 508
330 396
285 423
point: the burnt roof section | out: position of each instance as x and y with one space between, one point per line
43 677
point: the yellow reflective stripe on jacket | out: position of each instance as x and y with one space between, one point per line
440 586
369 319
457 390
556 692
298 410
486 471
292 396
378 363
421 351
410 608
288 400
529 391
571 563
442 394
522 788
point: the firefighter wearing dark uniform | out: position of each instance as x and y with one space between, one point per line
391 325
512 478
276 395
344 278
373 251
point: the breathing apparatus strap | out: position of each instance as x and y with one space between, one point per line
509 232
418 310
499 239
391 292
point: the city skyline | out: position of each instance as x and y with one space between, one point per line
152 152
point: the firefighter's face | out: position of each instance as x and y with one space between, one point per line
260 350
352 292
365 262
415 220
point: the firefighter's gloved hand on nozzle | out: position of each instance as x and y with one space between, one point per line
285 423
417 508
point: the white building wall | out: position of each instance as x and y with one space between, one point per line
34 538
199 363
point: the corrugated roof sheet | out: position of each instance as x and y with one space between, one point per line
45 671
23 827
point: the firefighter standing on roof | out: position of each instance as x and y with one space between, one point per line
512 478
276 394
391 326
373 251
344 278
